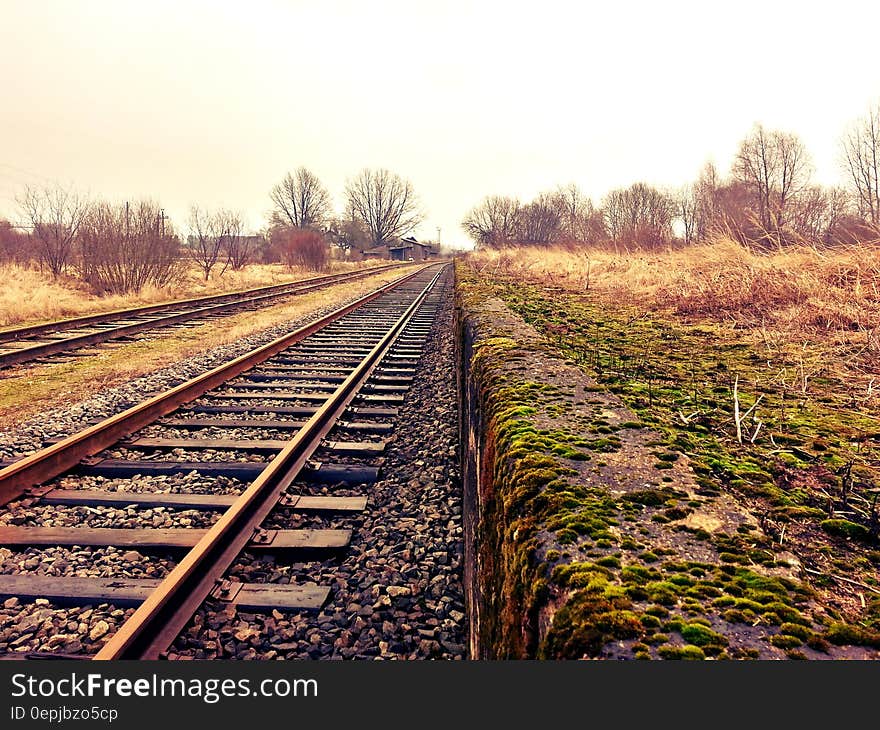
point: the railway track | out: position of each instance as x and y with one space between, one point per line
271 453
25 344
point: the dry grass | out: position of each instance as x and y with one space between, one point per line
29 390
794 296
29 296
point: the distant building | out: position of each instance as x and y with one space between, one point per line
409 249
406 249
377 252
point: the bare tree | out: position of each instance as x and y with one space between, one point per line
776 166
539 222
301 200
14 244
385 203
687 211
55 213
205 242
494 222
237 247
639 216
576 214
817 213
348 234
861 160
708 214
125 247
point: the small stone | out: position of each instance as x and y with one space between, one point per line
99 630
10 602
245 633
42 601
131 556
397 591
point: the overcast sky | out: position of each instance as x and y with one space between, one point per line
211 103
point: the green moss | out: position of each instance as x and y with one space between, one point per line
681 652
700 635
609 561
849 635
657 610
649 497
785 641
586 623
798 630
845 528
536 492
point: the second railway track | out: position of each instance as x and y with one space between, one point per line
271 453
20 345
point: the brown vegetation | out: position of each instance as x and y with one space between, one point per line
792 295
123 248
29 391
29 296
304 248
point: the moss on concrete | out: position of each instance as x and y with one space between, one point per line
614 523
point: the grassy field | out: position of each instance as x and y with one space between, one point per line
29 296
764 370
29 390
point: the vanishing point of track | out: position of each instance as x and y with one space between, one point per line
315 402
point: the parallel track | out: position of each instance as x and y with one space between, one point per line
330 390
25 344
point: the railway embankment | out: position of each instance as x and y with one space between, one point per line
592 533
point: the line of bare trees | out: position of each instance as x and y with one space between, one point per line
767 200
121 247
379 208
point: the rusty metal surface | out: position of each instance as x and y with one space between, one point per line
161 617
67 453
32 352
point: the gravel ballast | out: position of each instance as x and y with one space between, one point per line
396 592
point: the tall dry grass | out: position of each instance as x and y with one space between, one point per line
28 295
794 295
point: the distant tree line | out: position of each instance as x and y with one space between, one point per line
123 247
379 207
767 200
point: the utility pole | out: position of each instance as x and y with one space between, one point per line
438 236
160 216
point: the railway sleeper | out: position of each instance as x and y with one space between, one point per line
316 473
126 592
204 502
306 541
199 423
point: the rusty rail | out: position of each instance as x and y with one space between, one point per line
25 354
47 463
156 623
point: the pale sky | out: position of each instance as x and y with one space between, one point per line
212 102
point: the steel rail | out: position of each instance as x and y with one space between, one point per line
24 354
14 333
49 462
152 628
